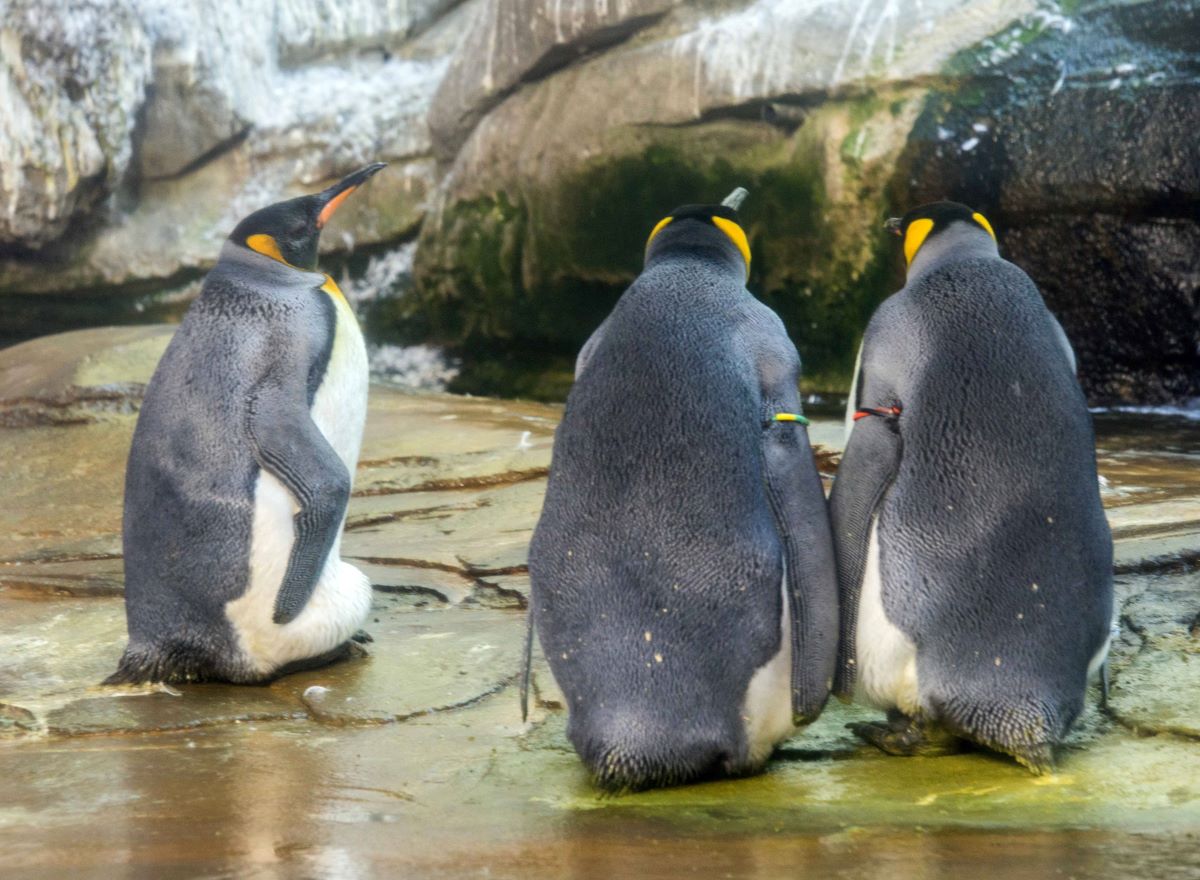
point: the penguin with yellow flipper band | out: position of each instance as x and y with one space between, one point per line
242 463
974 558
683 583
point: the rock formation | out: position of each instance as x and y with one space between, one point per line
534 142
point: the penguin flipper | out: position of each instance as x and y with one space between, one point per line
290 446
867 469
802 520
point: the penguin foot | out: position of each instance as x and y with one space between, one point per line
362 637
348 650
908 737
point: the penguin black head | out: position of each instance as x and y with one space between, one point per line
722 217
289 231
921 223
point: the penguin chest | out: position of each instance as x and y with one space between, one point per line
339 407
342 595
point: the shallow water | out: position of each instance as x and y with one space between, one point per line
413 761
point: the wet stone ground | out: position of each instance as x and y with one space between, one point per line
413 760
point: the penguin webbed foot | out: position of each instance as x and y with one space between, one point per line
362 637
908 737
347 650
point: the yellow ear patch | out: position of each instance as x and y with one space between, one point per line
737 236
658 227
915 236
982 221
267 246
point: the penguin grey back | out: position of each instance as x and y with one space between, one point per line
994 551
657 564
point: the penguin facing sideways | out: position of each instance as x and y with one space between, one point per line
683 581
974 558
241 466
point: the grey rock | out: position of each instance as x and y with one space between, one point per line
541 219
72 77
1080 146
515 41
236 111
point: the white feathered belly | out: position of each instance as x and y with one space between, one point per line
767 706
342 598
885 658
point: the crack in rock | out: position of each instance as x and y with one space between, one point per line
507 478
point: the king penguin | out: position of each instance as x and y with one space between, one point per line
975 561
683 581
242 462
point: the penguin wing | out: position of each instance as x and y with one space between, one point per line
289 445
798 503
867 470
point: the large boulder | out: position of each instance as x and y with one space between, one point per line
1077 138
205 118
515 41
72 77
541 219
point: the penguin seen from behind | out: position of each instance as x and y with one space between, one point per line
683 582
974 558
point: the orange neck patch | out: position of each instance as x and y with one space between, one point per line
737 236
331 288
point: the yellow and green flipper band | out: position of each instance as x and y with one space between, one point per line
790 417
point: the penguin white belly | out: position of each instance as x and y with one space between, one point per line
886 659
341 599
767 706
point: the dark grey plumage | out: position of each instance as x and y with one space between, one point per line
251 349
995 555
658 561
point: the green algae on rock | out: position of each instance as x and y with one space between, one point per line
542 263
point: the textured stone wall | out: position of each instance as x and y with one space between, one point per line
533 143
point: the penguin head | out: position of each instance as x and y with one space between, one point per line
698 227
925 223
289 231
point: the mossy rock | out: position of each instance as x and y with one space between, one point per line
537 265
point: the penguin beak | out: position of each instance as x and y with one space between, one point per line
332 198
892 225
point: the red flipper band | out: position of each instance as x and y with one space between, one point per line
887 412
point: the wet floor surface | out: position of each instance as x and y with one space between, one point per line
414 761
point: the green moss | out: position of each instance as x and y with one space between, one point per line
536 269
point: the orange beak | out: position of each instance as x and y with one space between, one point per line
336 194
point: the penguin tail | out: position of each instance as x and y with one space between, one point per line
1038 758
1027 729
181 664
137 666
